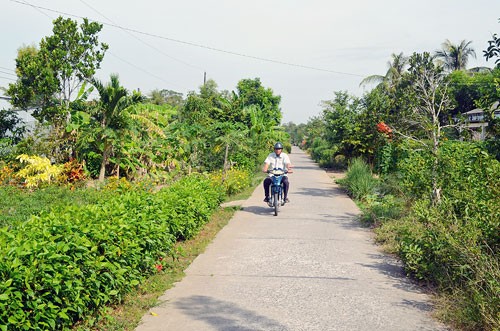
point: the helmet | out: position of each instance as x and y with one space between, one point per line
278 145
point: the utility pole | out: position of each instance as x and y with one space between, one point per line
204 78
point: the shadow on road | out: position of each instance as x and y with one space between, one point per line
394 270
260 210
318 192
225 316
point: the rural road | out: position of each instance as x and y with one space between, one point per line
312 267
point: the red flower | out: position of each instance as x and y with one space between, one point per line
159 267
385 129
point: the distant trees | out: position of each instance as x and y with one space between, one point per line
123 132
395 71
455 57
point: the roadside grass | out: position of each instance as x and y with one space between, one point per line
17 205
127 315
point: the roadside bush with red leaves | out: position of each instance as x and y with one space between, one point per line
7 176
73 172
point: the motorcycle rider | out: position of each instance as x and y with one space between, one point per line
277 160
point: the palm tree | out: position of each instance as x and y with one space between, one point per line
396 69
111 115
455 57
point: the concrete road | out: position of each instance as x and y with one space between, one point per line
312 267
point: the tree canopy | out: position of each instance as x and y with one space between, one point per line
50 76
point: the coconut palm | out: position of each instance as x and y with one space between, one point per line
455 57
111 115
396 69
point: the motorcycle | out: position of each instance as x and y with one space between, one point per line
277 199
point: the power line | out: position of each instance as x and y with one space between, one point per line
7 69
142 41
7 73
140 69
34 7
197 45
121 59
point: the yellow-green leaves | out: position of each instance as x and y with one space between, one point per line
38 170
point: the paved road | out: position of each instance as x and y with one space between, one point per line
312 267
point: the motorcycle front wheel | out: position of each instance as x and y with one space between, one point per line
276 203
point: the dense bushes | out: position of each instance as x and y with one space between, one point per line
68 262
453 244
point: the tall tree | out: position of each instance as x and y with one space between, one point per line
251 92
396 68
431 100
341 122
50 77
455 57
110 117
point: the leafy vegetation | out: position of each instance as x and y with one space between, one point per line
72 245
68 262
165 163
434 200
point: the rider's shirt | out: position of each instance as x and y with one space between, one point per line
277 162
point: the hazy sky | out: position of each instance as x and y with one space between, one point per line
177 41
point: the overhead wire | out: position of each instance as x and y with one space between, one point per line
39 8
7 73
142 41
198 45
140 69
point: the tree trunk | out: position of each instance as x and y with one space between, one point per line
105 157
436 190
225 169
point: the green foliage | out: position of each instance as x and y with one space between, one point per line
380 208
70 261
451 253
252 93
188 203
359 181
16 205
493 50
11 126
63 61
413 167
451 244
234 180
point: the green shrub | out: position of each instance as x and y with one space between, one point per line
359 180
453 244
72 260
234 180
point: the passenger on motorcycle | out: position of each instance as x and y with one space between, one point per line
277 160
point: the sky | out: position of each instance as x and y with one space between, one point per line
304 50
